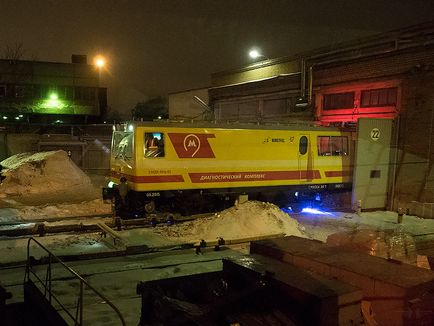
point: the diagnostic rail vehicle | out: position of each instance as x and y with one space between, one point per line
191 167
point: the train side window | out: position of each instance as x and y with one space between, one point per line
154 144
302 146
332 145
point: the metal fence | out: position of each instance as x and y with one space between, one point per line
89 153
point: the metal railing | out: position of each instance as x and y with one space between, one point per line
47 285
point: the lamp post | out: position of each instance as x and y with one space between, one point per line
100 63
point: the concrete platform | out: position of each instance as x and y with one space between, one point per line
393 289
312 298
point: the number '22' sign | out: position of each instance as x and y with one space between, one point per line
375 134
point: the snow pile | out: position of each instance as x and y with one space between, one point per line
44 172
249 219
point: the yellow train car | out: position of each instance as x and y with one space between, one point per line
177 165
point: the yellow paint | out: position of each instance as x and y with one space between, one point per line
252 151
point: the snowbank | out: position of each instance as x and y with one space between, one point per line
249 219
44 172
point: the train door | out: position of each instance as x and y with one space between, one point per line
304 158
372 161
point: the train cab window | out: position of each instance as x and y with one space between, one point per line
302 146
123 144
154 144
332 145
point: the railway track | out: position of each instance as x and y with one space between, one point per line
84 224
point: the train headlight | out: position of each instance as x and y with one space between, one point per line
130 128
111 184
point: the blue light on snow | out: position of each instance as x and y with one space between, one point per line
311 210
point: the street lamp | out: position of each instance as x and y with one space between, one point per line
256 54
99 62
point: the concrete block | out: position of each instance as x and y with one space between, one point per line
424 210
315 299
355 279
387 284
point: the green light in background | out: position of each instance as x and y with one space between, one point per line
53 101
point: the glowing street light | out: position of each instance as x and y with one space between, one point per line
255 54
100 62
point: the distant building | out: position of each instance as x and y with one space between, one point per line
38 92
190 105
386 76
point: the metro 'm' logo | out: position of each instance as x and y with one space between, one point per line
192 145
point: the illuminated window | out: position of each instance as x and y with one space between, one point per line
338 101
332 145
154 144
379 97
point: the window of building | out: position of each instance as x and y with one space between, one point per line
69 93
378 97
89 94
78 93
332 145
338 101
244 111
23 90
44 91
154 144
275 107
2 90
302 146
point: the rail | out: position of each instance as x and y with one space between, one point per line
47 284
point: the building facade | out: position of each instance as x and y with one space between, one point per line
190 105
387 76
49 92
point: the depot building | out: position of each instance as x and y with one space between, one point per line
381 87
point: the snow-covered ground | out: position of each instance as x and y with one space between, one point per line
49 188
60 191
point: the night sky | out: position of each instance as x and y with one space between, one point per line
157 47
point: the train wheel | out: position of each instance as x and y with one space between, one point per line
296 208
150 207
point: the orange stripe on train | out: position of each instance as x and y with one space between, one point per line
331 174
150 178
253 176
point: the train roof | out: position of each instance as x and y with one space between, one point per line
309 126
